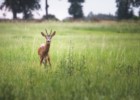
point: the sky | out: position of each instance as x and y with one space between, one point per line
60 8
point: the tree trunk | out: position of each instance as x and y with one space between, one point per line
25 15
139 12
14 14
47 7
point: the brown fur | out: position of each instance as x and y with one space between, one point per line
43 52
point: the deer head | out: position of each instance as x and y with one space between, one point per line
47 36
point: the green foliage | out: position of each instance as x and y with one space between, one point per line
124 9
136 3
18 6
29 5
90 61
76 8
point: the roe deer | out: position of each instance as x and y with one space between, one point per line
43 50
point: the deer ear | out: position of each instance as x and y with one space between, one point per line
53 33
43 34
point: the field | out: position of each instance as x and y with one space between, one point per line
90 61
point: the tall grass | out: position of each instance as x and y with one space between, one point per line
90 61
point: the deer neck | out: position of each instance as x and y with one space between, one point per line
47 47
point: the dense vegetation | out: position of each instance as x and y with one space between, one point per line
90 61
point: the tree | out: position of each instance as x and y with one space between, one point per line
24 6
47 7
27 6
76 8
136 3
124 10
12 5
47 15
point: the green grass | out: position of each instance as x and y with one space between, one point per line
90 61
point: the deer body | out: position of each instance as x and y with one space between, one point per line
43 50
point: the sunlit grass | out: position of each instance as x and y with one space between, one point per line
89 61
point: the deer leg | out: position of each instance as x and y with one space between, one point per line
41 60
49 60
45 61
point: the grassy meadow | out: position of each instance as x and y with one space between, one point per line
90 61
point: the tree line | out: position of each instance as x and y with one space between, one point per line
124 8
